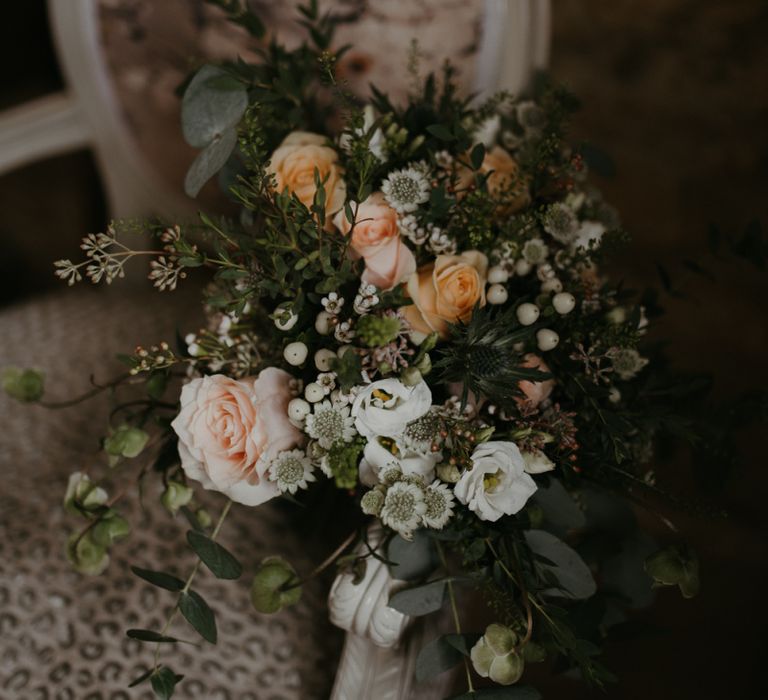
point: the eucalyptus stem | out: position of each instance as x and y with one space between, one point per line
330 559
98 388
456 620
188 583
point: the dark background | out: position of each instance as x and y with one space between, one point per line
675 91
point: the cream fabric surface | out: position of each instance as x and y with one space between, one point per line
62 634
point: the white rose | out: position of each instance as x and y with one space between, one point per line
537 462
385 407
377 459
497 483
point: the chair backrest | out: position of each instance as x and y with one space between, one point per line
514 42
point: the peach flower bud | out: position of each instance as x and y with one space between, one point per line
446 291
535 392
506 183
294 163
229 430
376 238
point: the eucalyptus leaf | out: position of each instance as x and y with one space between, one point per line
435 658
211 107
209 161
573 575
199 615
150 636
159 578
164 682
412 560
221 563
420 600
561 513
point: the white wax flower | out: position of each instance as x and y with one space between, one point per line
378 458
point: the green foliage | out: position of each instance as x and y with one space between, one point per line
164 682
150 636
126 441
347 368
675 566
343 458
25 385
197 612
159 579
420 600
376 331
275 586
412 560
221 563
435 658
572 576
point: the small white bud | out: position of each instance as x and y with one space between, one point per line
298 409
547 339
552 285
564 303
496 294
497 275
323 358
522 267
295 353
323 323
527 313
314 392
286 320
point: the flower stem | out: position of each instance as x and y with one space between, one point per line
330 559
455 611
188 583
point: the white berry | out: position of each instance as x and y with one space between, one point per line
547 339
527 313
323 323
298 409
614 395
295 353
552 285
564 303
323 359
314 392
497 275
522 267
496 294
286 320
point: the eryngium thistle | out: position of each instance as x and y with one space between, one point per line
481 356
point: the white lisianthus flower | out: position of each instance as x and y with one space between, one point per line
380 456
385 408
536 462
497 483
589 232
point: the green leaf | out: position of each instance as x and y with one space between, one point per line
675 566
463 643
199 615
573 575
420 600
140 679
23 384
412 560
560 510
477 156
435 658
207 111
126 441
275 585
156 385
159 578
164 682
442 132
150 636
221 563
209 161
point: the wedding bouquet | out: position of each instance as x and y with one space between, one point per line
411 308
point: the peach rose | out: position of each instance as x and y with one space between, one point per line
376 239
505 182
294 162
535 392
446 291
230 429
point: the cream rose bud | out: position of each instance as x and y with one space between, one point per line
294 163
378 458
497 484
385 407
446 291
376 239
229 430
